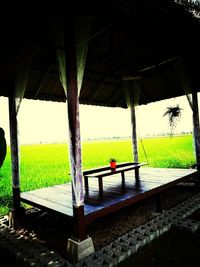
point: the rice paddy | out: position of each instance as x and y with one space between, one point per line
48 164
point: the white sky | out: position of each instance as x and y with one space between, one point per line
41 121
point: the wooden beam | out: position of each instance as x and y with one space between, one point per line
43 80
74 131
196 128
14 152
134 133
132 78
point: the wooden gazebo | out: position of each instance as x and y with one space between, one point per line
108 53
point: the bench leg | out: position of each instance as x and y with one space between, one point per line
137 176
100 187
86 185
123 179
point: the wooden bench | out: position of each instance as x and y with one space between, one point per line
99 173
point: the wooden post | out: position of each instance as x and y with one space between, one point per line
14 153
196 128
74 131
132 91
134 133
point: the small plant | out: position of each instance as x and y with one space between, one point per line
174 114
113 163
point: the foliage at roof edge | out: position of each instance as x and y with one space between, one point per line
192 6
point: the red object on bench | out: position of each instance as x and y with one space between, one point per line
113 164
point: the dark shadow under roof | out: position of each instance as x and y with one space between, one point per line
155 40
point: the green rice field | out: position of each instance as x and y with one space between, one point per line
48 164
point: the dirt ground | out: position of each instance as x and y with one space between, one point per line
172 249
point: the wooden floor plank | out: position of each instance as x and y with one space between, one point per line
43 203
152 180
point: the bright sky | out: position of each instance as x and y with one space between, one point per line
42 121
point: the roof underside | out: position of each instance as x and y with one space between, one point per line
156 42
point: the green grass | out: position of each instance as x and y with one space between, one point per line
46 165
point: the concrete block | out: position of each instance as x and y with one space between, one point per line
98 259
114 259
121 240
119 254
139 236
153 233
163 227
163 218
133 246
142 238
148 233
188 225
79 250
114 253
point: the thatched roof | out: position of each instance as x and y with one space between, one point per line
155 42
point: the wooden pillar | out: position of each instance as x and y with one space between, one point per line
134 133
196 128
14 153
74 132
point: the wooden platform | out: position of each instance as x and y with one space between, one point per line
152 181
